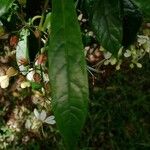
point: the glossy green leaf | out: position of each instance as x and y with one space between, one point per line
67 72
106 21
5 5
144 5
132 20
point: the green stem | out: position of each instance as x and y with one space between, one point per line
34 18
43 131
43 13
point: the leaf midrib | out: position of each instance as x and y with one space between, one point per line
66 57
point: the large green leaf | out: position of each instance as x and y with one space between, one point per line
67 71
144 5
5 5
106 22
132 20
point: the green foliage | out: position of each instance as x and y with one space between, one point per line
67 71
36 86
144 6
132 20
47 22
5 135
4 6
106 22
115 24
119 112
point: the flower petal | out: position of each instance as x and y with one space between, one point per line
142 39
30 75
11 72
113 61
42 115
107 55
4 81
139 65
36 113
106 62
127 53
50 120
28 124
25 84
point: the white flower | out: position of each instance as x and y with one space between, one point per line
36 113
42 117
80 17
131 65
142 39
25 84
28 124
30 75
127 53
4 81
118 65
50 120
45 77
120 52
106 62
147 46
113 61
90 33
139 65
107 55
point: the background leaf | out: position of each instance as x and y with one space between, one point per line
67 71
106 22
144 5
5 5
132 20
